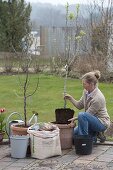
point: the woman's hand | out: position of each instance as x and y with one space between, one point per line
72 120
67 97
71 99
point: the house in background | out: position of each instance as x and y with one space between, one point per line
35 47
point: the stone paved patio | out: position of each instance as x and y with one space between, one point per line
100 159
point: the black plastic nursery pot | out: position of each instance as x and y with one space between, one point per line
83 144
63 115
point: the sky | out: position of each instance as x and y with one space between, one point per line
63 2
55 2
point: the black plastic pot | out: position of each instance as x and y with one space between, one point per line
83 144
63 115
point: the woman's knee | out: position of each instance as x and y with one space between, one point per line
81 115
84 115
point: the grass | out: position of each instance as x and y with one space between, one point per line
48 97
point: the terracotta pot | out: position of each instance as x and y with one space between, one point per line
1 136
63 115
66 135
18 129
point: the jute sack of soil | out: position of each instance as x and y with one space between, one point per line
44 143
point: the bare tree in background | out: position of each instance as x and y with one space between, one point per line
99 32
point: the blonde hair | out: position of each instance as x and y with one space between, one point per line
92 77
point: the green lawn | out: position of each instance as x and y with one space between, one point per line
48 97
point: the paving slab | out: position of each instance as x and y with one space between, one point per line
101 158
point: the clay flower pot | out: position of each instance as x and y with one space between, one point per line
66 135
18 129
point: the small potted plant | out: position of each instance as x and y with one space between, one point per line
25 82
19 139
2 124
21 129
